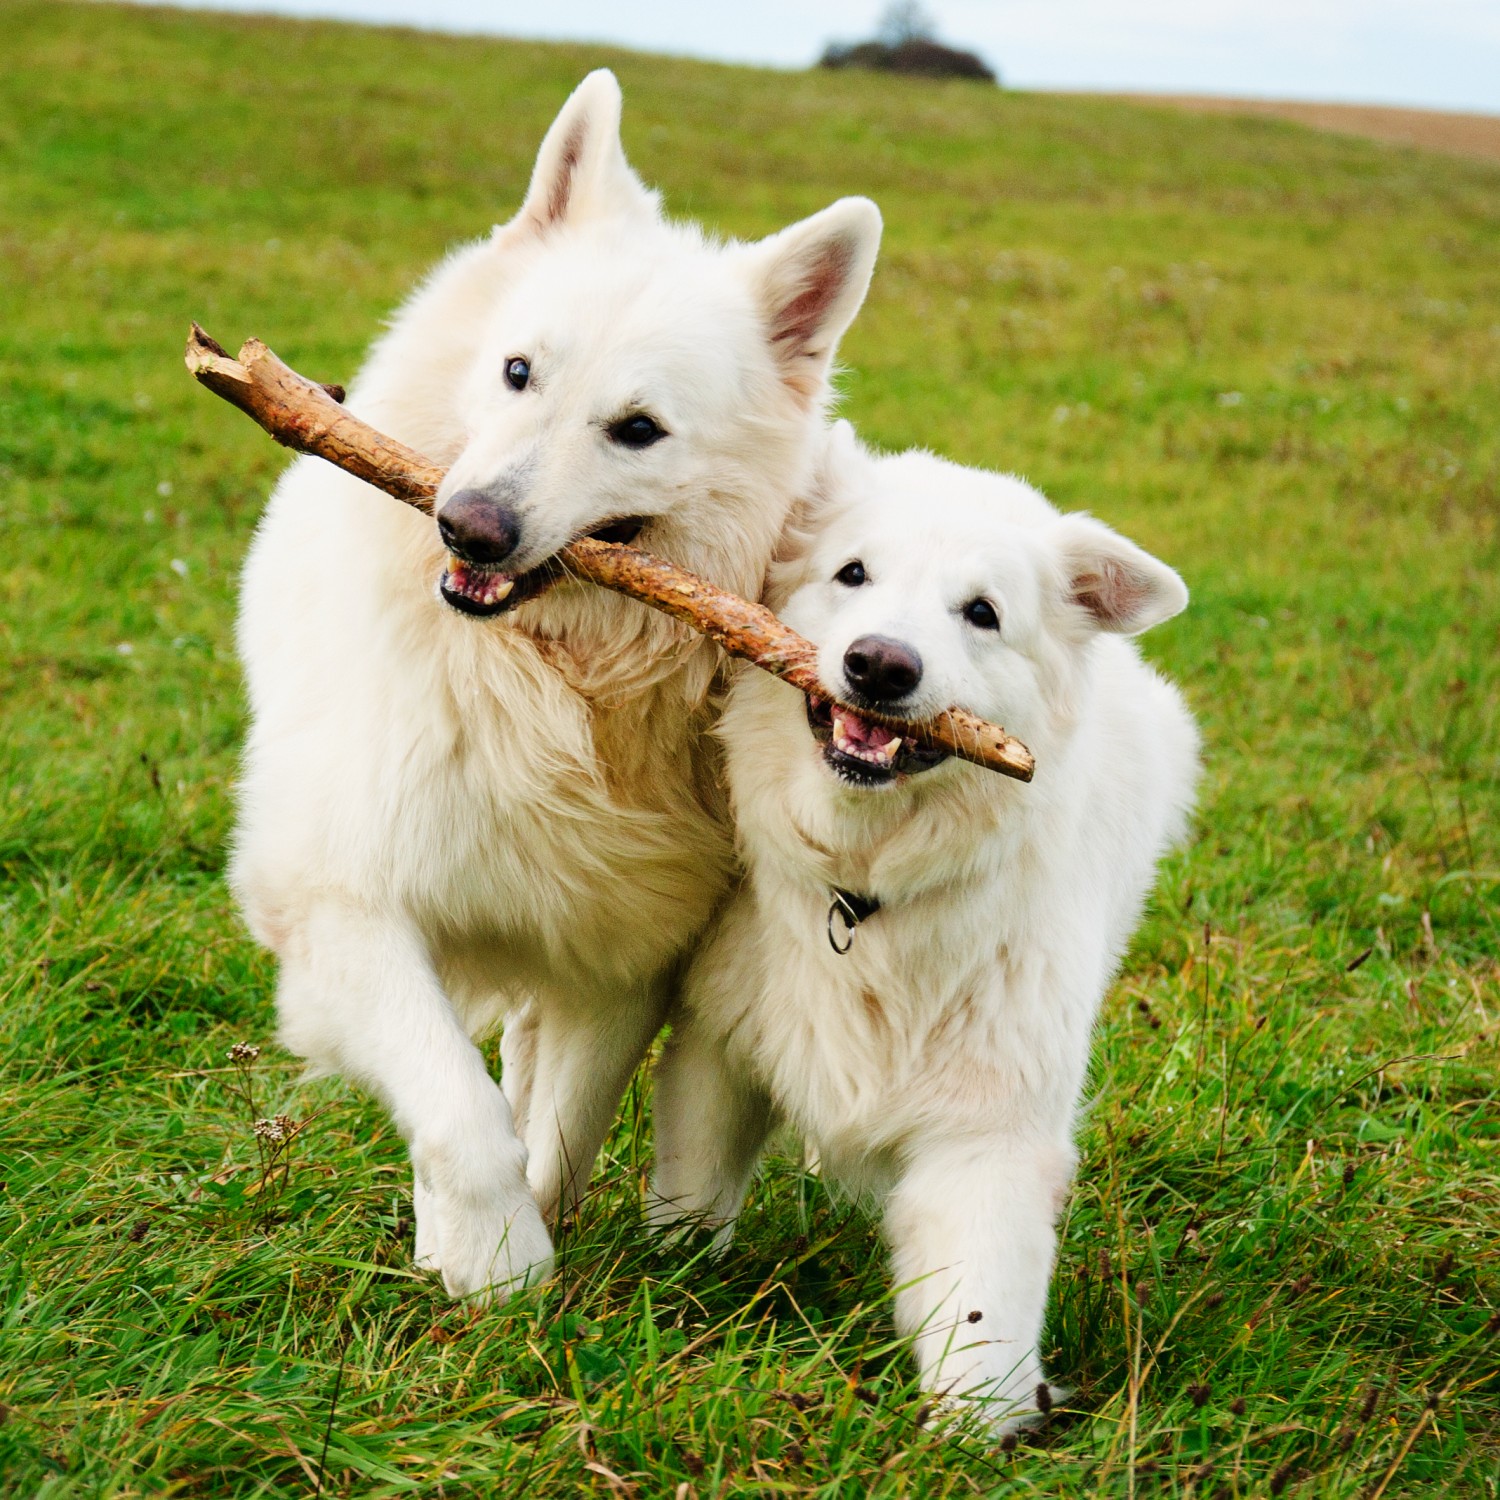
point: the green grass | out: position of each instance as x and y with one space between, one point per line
1270 355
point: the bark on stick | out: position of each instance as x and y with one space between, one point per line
308 417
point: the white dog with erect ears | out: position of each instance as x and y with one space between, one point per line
475 788
911 971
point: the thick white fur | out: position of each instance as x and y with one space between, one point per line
939 1063
445 820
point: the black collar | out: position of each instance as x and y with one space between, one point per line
847 911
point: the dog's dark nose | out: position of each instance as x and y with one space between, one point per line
881 670
477 527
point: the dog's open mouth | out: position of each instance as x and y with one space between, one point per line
473 589
863 752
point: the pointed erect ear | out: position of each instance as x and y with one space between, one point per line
581 171
842 451
1110 583
840 466
810 280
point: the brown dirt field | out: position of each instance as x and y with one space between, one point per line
1433 130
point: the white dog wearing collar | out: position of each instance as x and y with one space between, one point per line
911 972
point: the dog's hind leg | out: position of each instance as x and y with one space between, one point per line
426 1256
358 995
711 1122
587 1048
518 1046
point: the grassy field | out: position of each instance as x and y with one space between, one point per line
1273 356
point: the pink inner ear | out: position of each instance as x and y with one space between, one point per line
799 321
562 189
1112 593
1094 593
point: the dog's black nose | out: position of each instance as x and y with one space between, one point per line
881 670
477 527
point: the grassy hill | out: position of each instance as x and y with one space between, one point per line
1273 356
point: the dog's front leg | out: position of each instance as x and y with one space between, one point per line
970 1224
358 995
583 1052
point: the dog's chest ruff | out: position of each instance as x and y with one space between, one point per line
560 835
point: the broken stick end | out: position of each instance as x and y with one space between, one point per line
201 344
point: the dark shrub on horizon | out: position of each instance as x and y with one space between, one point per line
918 57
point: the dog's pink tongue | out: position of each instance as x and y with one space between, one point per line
860 733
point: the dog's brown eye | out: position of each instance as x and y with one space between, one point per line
851 575
636 431
517 373
980 613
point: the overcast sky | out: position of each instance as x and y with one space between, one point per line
1440 53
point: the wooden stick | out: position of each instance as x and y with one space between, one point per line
308 417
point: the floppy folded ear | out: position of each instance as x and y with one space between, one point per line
1113 583
810 280
581 171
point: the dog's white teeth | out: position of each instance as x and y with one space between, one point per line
883 754
501 590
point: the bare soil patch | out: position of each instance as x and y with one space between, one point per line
1433 130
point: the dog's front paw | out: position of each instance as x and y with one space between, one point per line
485 1242
486 1256
990 1416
